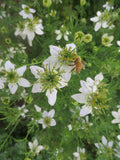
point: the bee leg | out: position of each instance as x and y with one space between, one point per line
73 69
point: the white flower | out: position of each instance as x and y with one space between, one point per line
32 27
102 147
80 151
106 40
100 21
26 12
59 58
108 6
86 123
23 110
48 80
47 119
34 147
116 115
118 43
62 32
29 29
87 89
70 127
14 77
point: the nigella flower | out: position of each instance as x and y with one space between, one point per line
47 119
49 80
62 32
106 40
62 58
34 147
23 110
79 154
116 115
108 6
26 12
29 29
105 146
101 20
13 77
89 89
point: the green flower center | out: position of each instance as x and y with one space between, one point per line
12 76
27 9
106 40
47 121
49 79
67 56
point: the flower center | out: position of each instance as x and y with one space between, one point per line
67 56
12 76
47 121
27 9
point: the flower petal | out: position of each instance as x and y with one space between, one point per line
51 113
97 26
13 87
24 82
104 140
80 97
85 111
36 88
21 70
52 95
54 50
36 70
9 66
53 122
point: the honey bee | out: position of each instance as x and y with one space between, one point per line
78 64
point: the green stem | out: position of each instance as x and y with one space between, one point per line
9 135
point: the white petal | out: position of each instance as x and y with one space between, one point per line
97 26
45 114
57 31
96 144
104 25
66 37
54 50
76 154
94 19
85 88
9 66
85 111
62 83
51 113
30 36
59 37
37 108
72 46
24 82
39 148
115 114
115 121
53 122
40 121
2 81
32 10
30 145
98 13
80 97
51 61
118 43
110 144
38 30
21 70
99 77
104 140
90 82
35 143
13 87
36 70
23 6
52 95
36 88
